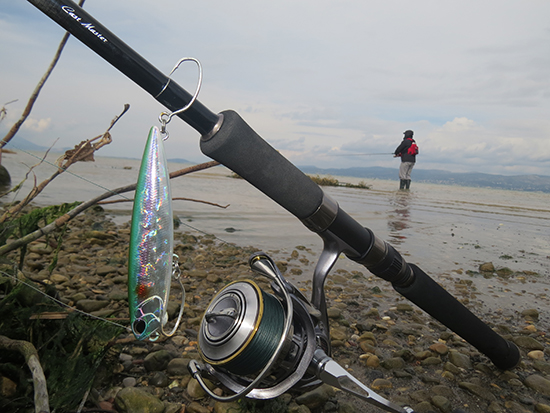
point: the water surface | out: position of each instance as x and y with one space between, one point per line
446 230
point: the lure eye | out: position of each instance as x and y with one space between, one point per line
145 326
139 326
149 318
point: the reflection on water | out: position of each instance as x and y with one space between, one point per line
399 216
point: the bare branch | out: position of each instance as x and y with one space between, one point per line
82 152
41 400
118 201
15 128
85 205
4 111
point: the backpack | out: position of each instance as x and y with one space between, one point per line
413 149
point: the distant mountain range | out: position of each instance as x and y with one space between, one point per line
435 176
517 183
25 145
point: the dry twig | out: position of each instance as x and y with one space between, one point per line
41 400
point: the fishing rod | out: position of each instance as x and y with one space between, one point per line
358 154
286 358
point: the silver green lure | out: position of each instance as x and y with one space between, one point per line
151 262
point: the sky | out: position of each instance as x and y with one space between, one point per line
318 79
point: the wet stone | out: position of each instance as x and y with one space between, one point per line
230 407
443 391
334 313
8 388
542 366
439 348
89 306
129 382
195 407
422 355
195 390
159 379
173 407
424 407
460 360
40 248
495 407
317 397
442 403
404 307
373 362
78 297
105 270
157 361
530 312
487 267
402 374
430 379
338 333
528 343
431 361
178 367
393 363
298 408
58 278
542 408
133 399
419 395
118 295
539 384
478 390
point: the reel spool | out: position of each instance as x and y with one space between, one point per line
246 331
241 328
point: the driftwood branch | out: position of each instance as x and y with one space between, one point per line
118 201
41 400
26 112
83 152
62 220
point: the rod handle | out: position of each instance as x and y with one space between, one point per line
437 302
237 146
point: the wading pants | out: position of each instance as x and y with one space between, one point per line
405 170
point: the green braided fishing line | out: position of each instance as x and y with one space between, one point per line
265 341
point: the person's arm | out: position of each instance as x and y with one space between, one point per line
400 149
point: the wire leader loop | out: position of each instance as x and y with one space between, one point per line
166 117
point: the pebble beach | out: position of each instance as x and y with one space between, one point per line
381 338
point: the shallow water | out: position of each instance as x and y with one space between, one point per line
446 230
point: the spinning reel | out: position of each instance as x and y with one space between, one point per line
260 344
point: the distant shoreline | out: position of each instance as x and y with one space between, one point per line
524 183
530 183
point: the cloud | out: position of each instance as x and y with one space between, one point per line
37 125
311 77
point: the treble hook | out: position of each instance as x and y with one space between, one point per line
166 117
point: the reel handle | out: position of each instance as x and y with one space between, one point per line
330 372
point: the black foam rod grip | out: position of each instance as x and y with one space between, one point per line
437 302
242 150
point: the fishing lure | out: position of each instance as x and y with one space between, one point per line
151 262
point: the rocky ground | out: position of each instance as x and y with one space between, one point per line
382 339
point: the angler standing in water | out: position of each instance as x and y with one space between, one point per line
407 150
